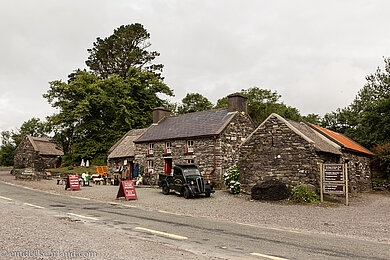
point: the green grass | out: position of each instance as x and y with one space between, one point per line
77 170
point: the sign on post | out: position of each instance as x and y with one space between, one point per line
334 180
73 182
127 190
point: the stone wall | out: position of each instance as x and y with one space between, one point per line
225 151
359 171
203 156
276 152
27 157
228 142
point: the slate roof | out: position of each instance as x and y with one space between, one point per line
341 139
44 146
197 124
125 146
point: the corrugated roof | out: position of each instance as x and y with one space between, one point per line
44 146
342 139
125 146
204 123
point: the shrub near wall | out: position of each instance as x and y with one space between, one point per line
232 179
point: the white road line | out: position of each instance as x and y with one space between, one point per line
278 229
269 256
161 233
129 206
81 216
5 198
167 212
35 206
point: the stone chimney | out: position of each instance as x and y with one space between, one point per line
159 113
237 102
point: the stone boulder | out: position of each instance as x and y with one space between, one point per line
270 190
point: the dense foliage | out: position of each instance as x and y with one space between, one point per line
95 112
126 48
194 102
302 194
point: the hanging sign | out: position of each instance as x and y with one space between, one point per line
73 182
127 190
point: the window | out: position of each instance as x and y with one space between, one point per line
149 167
190 146
150 149
190 161
168 147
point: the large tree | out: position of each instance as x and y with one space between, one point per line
95 112
194 102
126 48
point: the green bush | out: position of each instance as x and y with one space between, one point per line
70 168
232 179
301 194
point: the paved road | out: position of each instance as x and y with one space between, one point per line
200 235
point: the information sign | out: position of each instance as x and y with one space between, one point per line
127 190
334 188
73 182
334 173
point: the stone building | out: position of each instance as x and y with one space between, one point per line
292 151
209 139
121 154
37 153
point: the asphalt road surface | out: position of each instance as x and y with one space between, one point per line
201 236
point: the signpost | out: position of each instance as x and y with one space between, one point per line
73 182
127 190
334 180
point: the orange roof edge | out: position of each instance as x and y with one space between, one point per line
342 139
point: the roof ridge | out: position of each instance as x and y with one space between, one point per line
199 112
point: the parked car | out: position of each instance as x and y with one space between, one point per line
187 180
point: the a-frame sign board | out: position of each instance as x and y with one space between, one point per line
73 182
127 190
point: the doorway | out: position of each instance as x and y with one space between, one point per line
168 166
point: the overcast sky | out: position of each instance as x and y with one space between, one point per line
316 54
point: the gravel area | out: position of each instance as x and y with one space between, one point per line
367 217
28 233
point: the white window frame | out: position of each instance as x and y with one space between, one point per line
190 161
168 147
190 146
150 148
150 166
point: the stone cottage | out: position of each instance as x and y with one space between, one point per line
121 155
209 139
37 153
292 151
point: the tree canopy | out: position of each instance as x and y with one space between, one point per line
126 48
194 102
95 112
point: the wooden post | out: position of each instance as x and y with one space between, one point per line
346 183
321 182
